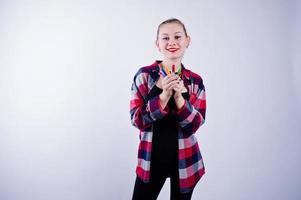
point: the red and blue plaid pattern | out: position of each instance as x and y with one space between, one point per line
190 117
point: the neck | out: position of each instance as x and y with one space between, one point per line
169 63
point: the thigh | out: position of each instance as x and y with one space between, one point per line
175 188
141 190
148 191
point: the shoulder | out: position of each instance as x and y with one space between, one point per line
194 77
144 71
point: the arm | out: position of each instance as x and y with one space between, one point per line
191 114
143 111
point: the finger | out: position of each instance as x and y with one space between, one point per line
172 85
170 78
177 85
168 85
180 84
173 82
166 82
177 88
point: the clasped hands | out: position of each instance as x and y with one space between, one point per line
172 85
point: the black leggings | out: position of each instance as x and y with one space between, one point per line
151 190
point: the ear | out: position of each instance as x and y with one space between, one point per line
157 44
188 41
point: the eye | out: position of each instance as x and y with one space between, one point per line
165 38
177 37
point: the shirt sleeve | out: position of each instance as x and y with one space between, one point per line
192 114
143 111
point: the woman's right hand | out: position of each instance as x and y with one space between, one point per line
167 84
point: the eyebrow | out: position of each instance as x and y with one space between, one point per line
174 33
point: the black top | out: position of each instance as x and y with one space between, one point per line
165 134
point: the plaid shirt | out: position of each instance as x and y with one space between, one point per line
190 117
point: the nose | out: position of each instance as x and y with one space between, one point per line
171 42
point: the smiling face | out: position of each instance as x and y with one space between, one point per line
172 41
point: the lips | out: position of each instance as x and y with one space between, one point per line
172 50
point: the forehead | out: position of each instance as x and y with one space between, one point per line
171 28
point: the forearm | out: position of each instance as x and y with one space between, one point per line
191 114
163 100
143 115
180 101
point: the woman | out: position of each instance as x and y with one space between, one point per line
168 105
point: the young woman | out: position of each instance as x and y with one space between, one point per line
168 105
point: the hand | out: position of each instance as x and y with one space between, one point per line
167 83
179 88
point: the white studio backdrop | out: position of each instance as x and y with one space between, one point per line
66 69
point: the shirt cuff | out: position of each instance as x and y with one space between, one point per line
156 109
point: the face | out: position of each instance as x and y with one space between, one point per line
172 41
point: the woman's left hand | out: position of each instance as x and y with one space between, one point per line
179 89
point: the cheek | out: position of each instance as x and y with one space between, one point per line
163 46
183 43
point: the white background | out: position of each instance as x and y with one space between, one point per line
66 68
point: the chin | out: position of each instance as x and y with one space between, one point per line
174 57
